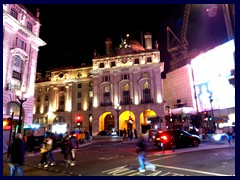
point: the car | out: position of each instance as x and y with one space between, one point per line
176 139
104 133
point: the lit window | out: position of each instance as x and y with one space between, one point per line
90 93
145 75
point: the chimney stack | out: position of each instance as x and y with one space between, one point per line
108 43
148 40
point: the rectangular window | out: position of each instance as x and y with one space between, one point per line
113 64
126 97
79 85
90 93
145 75
147 95
14 13
106 99
29 25
79 95
38 99
20 43
45 109
125 76
38 109
101 65
149 59
90 105
106 78
79 106
46 98
61 100
16 75
136 61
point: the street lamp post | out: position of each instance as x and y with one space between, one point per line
21 96
211 100
118 109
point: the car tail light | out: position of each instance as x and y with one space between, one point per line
164 138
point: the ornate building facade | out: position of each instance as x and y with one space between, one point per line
62 98
127 87
21 44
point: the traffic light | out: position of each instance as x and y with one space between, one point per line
78 120
210 118
205 116
7 124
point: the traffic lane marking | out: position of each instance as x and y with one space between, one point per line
185 169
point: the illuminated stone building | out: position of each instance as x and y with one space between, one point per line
20 52
62 97
129 78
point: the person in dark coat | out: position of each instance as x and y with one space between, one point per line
31 143
135 134
141 148
73 146
124 133
65 149
17 153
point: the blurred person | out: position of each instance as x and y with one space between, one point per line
150 135
135 134
141 147
31 143
46 147
65 148
130 134
50 154
73 146
124 133
17 152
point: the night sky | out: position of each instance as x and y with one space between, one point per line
73 31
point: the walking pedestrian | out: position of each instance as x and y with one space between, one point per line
130 134
65 148
135 134
45 151
17 152
150 135
31 143
73 146
141 148
124 133
50 154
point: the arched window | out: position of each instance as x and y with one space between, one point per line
61 102
106 96
17 72
146 97
126 94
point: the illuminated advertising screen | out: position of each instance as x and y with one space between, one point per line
211 71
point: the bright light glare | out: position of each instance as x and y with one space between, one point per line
211 72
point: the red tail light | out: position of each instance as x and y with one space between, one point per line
164 138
